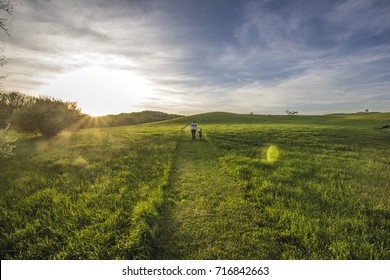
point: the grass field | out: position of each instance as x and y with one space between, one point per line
88 194
257 187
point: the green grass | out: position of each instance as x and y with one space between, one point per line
89 194
203 209
150 192
326 197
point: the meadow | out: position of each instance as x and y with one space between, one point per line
257 187
318 187
86 194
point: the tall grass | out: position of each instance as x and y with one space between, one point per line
87 194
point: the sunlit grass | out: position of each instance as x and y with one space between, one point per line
86 194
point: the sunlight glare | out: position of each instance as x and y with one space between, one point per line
100 91
272 154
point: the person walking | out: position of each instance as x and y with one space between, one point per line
193 129
200 132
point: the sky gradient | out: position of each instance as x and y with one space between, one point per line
197 56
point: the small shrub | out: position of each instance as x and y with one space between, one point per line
6 143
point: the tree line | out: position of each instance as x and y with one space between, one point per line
42 115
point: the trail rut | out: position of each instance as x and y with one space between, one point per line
203 209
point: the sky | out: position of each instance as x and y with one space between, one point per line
196 56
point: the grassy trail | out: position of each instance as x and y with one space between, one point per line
202 215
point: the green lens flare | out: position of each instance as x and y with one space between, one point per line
272 154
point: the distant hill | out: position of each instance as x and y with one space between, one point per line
127 119
369 120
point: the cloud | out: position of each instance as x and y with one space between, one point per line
301 53
262 56
59 36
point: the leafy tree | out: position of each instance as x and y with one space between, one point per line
9 103
47 115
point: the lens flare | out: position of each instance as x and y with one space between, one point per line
272 154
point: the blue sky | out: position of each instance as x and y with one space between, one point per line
190 57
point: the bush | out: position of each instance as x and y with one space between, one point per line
47 115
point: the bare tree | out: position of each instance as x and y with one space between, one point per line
2 62
6 9
291 113
6 141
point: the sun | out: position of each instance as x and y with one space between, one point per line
100 91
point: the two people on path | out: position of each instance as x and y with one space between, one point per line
193 130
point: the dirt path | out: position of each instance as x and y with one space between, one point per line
204 214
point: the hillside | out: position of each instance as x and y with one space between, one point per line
124 119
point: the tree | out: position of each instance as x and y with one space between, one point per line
2 62
6 9
291 113
47 115
11 102
6 141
